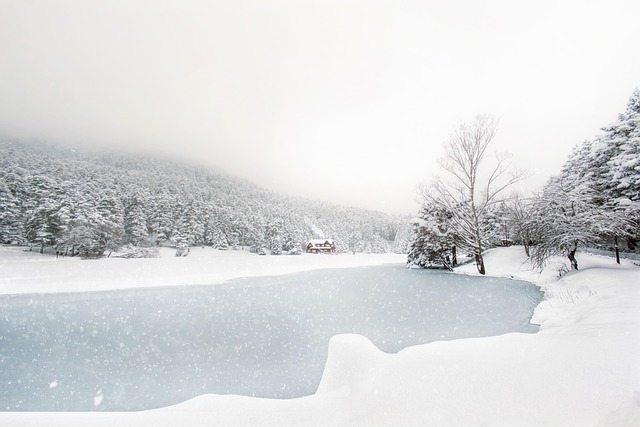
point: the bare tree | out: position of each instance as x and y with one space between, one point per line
471 194
521 215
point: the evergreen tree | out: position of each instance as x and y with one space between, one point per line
161 219
274 232
402 240
433 239
11 216
135 223
44 224
180 234
111 212
596 197
623 166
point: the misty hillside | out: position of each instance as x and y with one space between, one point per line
91 203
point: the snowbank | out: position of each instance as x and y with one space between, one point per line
29 272
581 369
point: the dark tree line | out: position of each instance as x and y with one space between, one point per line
88 204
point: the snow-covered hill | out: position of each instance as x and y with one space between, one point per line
91 203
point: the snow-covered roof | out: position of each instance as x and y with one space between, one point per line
316 242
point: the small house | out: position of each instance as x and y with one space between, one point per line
320 245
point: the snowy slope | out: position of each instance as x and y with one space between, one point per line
581 369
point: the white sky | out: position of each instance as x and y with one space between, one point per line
343 100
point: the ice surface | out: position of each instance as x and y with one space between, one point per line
268 337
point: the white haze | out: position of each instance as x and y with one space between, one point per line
347 101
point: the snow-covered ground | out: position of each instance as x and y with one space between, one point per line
581 369
29 272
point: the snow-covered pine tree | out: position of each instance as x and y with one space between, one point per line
274 231
402 239
11 216
45 224
194 226
162 215
111 211
596 197
135 222
495 226
354 242
219 238
180 233
623 166
434 239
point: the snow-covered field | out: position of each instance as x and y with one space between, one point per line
581 369
29 272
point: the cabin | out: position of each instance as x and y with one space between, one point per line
321 245
506 242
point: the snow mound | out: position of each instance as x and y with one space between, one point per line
351 363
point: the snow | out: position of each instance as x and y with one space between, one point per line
29 272
320 242
98 398
581 369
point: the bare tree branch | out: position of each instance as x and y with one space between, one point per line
464 153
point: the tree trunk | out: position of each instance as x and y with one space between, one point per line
480 263
478 244
454 258
572 257
617 250
446 261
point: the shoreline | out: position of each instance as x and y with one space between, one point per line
32 273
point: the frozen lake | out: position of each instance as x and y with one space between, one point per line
147 348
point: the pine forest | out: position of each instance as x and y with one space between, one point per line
60 200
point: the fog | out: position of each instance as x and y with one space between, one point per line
346 101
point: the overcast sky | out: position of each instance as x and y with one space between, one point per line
346 101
